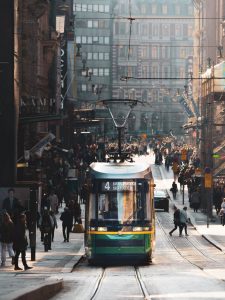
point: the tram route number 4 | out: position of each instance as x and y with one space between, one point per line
118 186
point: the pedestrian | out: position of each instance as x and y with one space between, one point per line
11 204
6 238
54 202
176 221
195 200
217 199
183 220
174 189
46 224
55 225
222 212
20 242
67 223
77 213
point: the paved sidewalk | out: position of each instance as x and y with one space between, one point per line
215 232
45 278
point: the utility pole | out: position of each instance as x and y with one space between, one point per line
8 107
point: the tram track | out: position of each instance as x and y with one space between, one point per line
96 291
98 284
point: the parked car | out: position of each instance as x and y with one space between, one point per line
161 200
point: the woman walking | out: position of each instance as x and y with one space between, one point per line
6 238
20 242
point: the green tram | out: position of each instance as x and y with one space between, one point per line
120 220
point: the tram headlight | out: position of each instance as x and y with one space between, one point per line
92 228
102 228
137 228
146 228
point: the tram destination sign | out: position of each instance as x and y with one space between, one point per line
118 186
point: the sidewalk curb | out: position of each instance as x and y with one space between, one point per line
43 291
68 268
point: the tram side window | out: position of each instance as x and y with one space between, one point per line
92 207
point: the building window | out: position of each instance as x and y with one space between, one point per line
78 39
164 9
165 30
101 72
154 9
95 71
166 72
154 52
95 56
144 71
181 72
144 29
102 24
106 39
177 9
95 24
95 8
77 7
106 8
83 87
122 51
155 95
90 24
106 56
143 9
95 39
100 56
122 28
144 52
101 40
190 30
84 7
84 40
101 8
89 39
155 30
155 71
89 7
89 55
106 72
144 96
182 52
177 29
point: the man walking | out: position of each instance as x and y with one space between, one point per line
183 220
176 220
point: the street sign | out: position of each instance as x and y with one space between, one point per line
208 180
216 156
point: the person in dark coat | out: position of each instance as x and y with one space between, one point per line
195 200
67 223
20 242
46 225
174 190
11 204
176 221
6 238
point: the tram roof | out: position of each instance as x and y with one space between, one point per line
125 170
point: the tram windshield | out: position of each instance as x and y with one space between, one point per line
119 202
